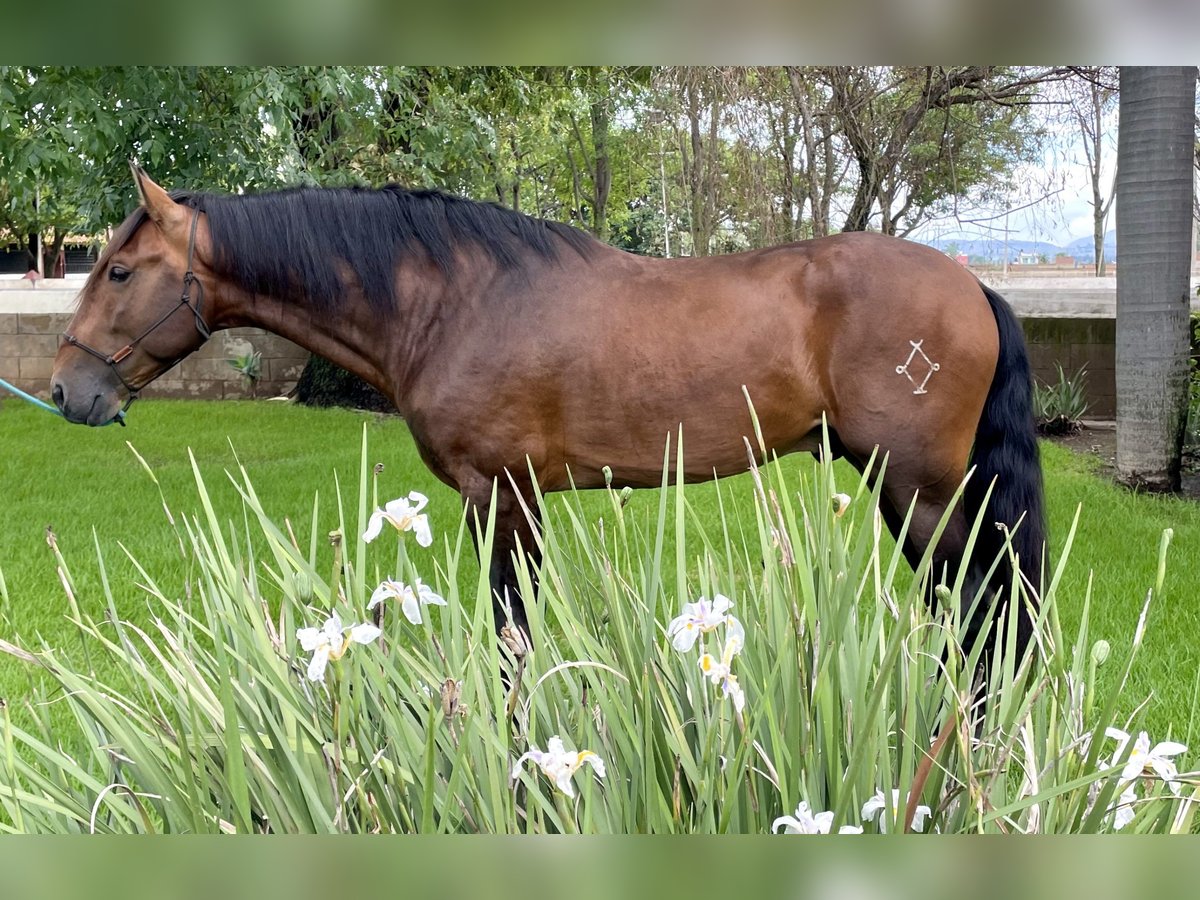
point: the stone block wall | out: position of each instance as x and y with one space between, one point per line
28 342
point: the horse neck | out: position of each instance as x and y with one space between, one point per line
349 337
384 349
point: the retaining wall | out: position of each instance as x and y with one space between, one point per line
1071 321
1074 344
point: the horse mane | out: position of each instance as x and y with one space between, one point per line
302 239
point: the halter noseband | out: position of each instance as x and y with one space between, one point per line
113 359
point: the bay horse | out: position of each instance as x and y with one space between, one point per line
514 345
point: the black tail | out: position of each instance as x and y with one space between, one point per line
1006 451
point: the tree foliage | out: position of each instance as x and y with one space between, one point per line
923 135
727 157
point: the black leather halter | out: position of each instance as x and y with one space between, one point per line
114 359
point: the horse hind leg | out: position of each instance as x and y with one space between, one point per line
923 475
980 622
929 503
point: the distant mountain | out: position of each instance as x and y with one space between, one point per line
992 249
1084 249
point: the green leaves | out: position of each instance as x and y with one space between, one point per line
213 726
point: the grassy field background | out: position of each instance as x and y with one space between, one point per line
82 482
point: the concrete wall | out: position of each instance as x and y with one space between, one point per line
1073 343
31 321
1071 321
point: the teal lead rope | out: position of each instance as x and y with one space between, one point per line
118 418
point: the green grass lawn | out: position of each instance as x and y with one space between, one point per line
84 481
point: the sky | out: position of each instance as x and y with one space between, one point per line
1052 199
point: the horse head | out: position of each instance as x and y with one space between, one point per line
130 325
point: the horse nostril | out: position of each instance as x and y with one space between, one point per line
57 393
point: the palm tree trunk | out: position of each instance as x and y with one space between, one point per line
1154 232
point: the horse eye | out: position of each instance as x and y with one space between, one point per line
116 273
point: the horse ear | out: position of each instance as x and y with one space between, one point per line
166 213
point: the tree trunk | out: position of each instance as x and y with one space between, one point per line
600 91
594 158
700 152
1098 244
56 248
859 217
1154 230
819 178
695 174
1091 122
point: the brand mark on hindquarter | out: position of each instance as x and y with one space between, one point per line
903 369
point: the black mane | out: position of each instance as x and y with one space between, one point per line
299 238
302 239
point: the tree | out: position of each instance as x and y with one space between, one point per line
1155 147
921 134
783 167
37 196
704 99
593 162
319 116
823 171
1091 99
67 133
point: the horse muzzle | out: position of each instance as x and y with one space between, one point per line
83 398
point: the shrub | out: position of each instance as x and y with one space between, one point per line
816 681
1059 408
324 384
249 366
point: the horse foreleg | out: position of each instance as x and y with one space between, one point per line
513 538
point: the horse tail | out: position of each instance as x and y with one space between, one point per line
1005 458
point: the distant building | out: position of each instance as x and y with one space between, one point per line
1064 261
961 259
1027 258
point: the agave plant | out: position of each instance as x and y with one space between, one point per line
249 366
1059 408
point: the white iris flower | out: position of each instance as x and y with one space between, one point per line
403 514
411 597
1143 757
560 764
720 671
877 804
702 617
1125 812
331 641
806 822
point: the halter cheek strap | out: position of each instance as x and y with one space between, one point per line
114 359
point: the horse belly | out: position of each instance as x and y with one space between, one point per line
636 433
